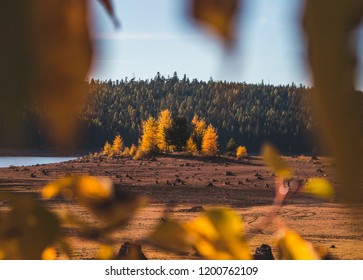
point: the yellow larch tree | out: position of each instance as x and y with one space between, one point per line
132 150
107 149
191 146
164 122
210 143
241 152
199 129
149 139
117 145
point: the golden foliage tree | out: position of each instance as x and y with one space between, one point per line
107 149
199 129
241 152
132 150
164 122
210 143
191 146
149 139
117 145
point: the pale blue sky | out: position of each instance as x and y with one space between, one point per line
157 35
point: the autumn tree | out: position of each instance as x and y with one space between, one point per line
149 139
107 149
210 143
199 129
241 152
164 123
192 147
117 145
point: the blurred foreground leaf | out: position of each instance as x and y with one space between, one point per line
331 30
218 16
105 252
27 230
293 247
45 57
216 234
105 200
273 159
319 187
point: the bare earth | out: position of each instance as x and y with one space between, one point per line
183 181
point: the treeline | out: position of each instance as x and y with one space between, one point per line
251 114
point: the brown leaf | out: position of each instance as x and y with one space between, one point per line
218 16
330 30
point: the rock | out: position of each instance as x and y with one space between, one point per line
263 253
332 246
195 209
229 173
210 185
319 171
130 251
267 186
32 175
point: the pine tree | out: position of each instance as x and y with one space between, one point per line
164 123
107 149
210 143
231 146
149 143
192 147
117 145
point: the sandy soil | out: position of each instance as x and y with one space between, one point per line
184 182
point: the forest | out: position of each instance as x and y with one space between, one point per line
251 114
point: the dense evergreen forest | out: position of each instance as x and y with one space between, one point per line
251 114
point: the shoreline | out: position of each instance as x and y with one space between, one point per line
43 153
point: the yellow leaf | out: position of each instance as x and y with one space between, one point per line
171 235
274 160
49 254
105 252
293 247
319 187
216 234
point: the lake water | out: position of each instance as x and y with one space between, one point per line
26 161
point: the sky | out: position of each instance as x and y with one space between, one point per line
159 36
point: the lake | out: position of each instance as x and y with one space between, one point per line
26 161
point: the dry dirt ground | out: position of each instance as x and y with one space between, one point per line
185 183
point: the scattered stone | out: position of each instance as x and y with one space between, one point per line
195 209
153 159
130 251
263 253
332 246
227 182
229 173
178 180
248 180
240 183
267 186
210 185
319 170
260 178
32 175
257 174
